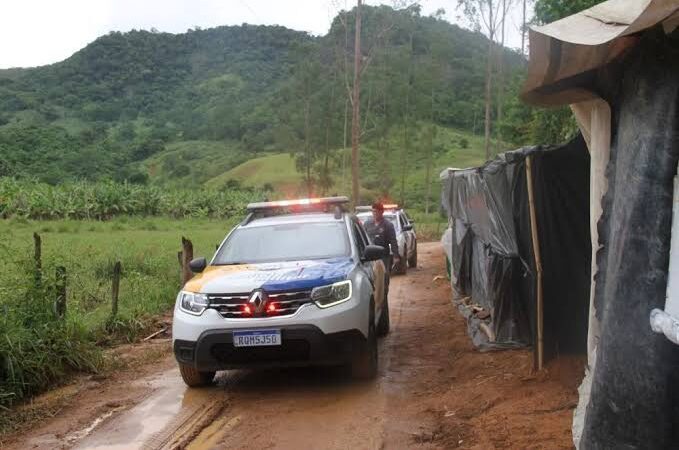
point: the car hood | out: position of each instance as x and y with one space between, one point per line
279 276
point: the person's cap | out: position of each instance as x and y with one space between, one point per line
377 206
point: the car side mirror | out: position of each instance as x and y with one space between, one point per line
408 228
374 252
198 265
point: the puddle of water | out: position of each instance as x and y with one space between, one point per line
80 434
140 423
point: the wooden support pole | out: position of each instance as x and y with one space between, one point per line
538 260
60 300
37 256
115 288
187 256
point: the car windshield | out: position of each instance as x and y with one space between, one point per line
285 242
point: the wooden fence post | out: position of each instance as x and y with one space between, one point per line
60 301
37 256
115 289
186 257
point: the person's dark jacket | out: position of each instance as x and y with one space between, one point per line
382 234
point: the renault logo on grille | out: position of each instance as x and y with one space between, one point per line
257 300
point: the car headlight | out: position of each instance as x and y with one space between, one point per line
332 294
192 303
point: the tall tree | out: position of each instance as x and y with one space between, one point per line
356 111
484 14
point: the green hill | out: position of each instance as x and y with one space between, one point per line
189 109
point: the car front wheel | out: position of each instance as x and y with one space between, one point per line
195 378
384 324
364 365
402 266
412 261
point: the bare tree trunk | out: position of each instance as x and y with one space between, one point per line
406 135
489 78
356 116
500 77
331 107
307 146
523 30
430 155
344 143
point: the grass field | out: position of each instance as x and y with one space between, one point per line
278 170
37 348
452 148
192 163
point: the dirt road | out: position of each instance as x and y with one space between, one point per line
433 391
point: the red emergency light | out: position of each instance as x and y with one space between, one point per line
299 202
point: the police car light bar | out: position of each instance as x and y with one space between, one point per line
300 202
390 206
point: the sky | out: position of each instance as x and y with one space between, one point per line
39 32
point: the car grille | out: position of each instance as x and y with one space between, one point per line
231 306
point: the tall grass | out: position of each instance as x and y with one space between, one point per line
38 349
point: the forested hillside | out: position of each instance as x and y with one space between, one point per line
184 109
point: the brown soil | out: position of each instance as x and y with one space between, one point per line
433 391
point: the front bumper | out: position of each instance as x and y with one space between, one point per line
345 316
301 345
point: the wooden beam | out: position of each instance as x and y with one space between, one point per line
538 261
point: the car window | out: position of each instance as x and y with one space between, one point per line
359 238
363 234
403 220
285 242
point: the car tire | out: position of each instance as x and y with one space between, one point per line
364 364
412 261
195 378
384 324
402 267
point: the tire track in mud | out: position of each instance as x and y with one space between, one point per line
186 426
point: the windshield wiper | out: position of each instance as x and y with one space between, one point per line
237 263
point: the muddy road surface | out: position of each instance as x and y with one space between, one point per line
433 391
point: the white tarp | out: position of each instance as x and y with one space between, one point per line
562 52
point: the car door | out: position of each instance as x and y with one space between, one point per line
408 236
375 269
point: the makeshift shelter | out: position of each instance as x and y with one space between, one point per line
617 65
519 248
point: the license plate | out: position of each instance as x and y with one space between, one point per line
256 338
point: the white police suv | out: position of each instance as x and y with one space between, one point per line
296 283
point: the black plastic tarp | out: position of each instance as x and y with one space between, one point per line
634 399
493 269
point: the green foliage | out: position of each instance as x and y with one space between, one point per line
525 125
104 200
37 349
179 110
547 11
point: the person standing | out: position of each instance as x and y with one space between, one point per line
382 233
